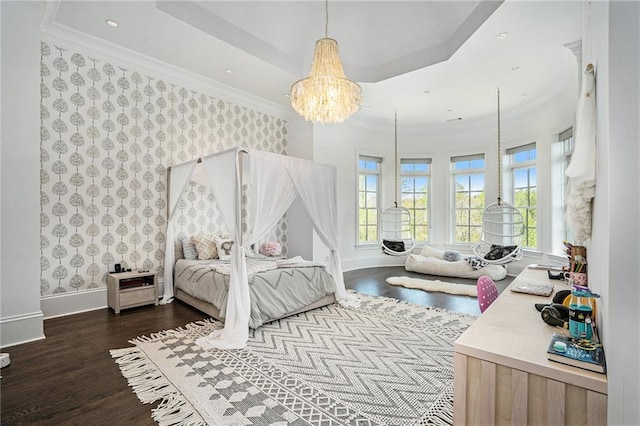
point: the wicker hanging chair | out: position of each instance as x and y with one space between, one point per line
396 238
502 225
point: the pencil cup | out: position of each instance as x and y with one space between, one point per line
578 278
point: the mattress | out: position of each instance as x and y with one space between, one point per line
274 293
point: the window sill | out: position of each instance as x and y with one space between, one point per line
367 246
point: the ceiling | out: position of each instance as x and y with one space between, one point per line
432 62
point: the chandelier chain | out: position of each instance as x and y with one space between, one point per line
326 20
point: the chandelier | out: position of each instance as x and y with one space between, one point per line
326 96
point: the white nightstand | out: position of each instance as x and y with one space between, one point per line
130 289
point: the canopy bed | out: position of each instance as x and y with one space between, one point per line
270 182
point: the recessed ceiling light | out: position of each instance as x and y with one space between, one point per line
515 68
288 95
502 36
112 23
229 71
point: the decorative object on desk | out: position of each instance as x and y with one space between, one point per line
577 256
535 289
272 248
577 352
406 379
117 267
434 285
576 278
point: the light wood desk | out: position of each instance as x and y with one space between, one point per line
502 375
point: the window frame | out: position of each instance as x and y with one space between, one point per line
378 195
412 210
454 192
526 211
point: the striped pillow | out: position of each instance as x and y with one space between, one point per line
189 249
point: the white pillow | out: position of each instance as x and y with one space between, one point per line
223 245
429 251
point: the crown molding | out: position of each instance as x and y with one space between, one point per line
129 59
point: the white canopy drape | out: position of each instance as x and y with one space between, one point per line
179 179
274 183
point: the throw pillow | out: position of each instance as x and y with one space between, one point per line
223 245
205 246
498 252
189 249
429 251
396 246
452 256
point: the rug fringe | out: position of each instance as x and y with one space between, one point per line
150 385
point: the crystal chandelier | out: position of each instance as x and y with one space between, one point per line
326 96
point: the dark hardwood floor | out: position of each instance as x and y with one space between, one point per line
69 378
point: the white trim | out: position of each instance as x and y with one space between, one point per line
65 304
60 305
19 329
93 46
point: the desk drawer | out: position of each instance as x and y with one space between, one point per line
139 295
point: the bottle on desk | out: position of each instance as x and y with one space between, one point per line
582 312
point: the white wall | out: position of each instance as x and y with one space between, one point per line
616 53
300 138
21 317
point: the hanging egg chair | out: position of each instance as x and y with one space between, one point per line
396 238
502 225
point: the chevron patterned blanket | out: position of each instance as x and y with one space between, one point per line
383 363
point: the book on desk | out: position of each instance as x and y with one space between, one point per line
578 353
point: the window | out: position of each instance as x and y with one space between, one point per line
368 198
522 162
566 140
468 192
415 184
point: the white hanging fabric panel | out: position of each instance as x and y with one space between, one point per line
272 192
582 169
316 184
223 170
180 175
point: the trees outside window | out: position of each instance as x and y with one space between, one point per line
522 162
468 194
415 192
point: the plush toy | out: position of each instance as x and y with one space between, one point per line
452 256
272 248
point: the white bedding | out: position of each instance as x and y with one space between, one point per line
275 291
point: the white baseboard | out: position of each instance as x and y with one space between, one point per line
64 304
20 329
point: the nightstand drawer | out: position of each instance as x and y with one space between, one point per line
137 295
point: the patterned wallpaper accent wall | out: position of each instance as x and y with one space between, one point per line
107 136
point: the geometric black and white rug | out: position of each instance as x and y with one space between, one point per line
384 363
